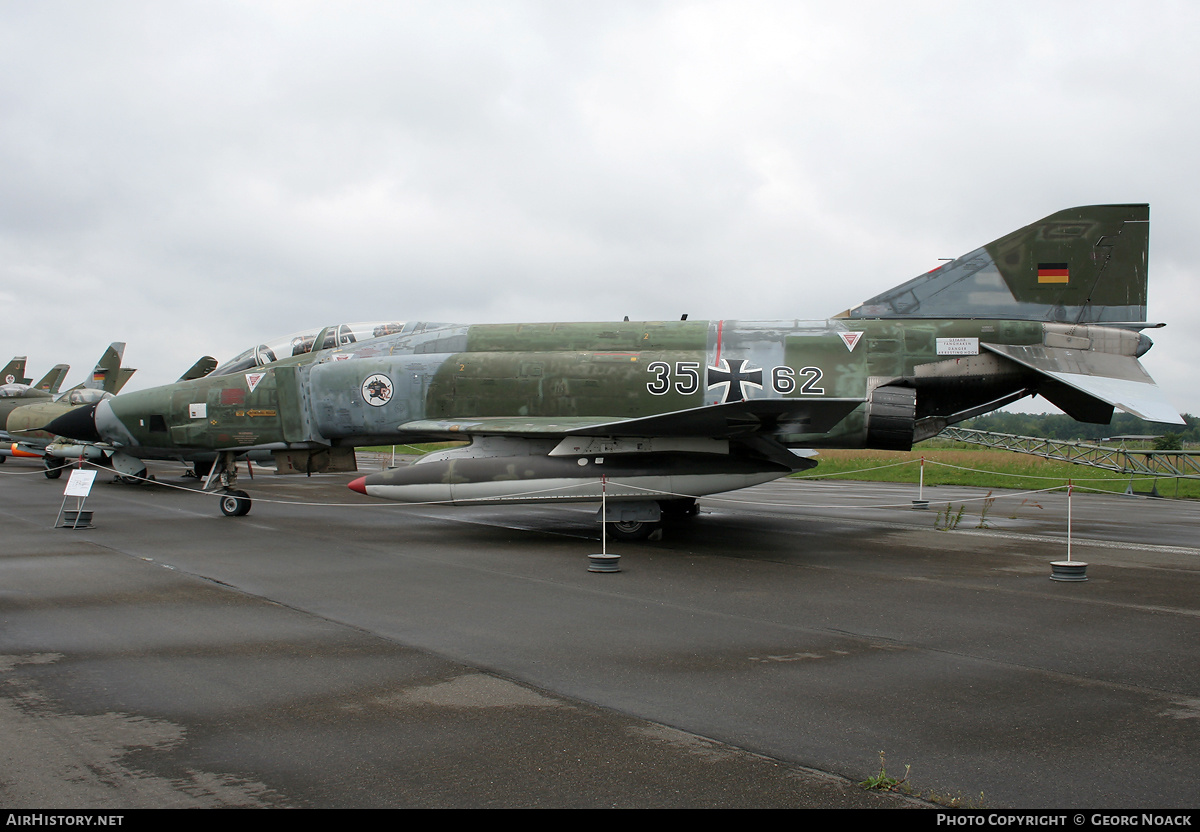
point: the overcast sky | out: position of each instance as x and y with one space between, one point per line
195 177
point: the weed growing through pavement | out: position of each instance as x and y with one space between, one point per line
987 506
883 782
947 521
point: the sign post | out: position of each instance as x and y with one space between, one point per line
79 486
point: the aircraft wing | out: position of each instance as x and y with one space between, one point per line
719 421
1117 380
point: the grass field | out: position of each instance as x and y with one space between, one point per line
985 469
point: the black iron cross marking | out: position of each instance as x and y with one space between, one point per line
734 378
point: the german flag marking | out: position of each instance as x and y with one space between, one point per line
1054 273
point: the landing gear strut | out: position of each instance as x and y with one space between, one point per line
234 503
54 467
645 519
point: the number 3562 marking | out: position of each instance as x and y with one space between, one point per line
685 379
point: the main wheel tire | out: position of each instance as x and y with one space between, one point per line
54 467
632 529
235 503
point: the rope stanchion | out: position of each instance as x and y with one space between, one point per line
921 503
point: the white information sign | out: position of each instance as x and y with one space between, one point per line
80 483
958 346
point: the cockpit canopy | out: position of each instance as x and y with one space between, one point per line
13 391
85 395
299 343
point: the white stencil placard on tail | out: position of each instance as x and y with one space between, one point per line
958 346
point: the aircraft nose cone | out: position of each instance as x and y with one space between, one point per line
79 424
359 485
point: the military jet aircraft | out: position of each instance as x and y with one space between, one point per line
22 414
130 465
22 388
126 468
656 414
17 391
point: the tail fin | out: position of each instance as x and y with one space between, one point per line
1081 265
53 379
14 372
109 375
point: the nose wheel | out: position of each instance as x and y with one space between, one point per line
235 503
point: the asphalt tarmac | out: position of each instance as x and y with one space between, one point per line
332 650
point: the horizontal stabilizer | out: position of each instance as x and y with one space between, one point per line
1117 380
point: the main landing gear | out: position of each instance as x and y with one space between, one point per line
54 466
638 521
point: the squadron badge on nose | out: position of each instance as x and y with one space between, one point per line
377 390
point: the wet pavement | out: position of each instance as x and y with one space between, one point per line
332 650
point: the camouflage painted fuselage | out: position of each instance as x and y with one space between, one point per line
434 381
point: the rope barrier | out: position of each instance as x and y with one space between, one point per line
650 492
1027 476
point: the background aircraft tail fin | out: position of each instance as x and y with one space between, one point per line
1081 265
53 379
109 375
15 369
